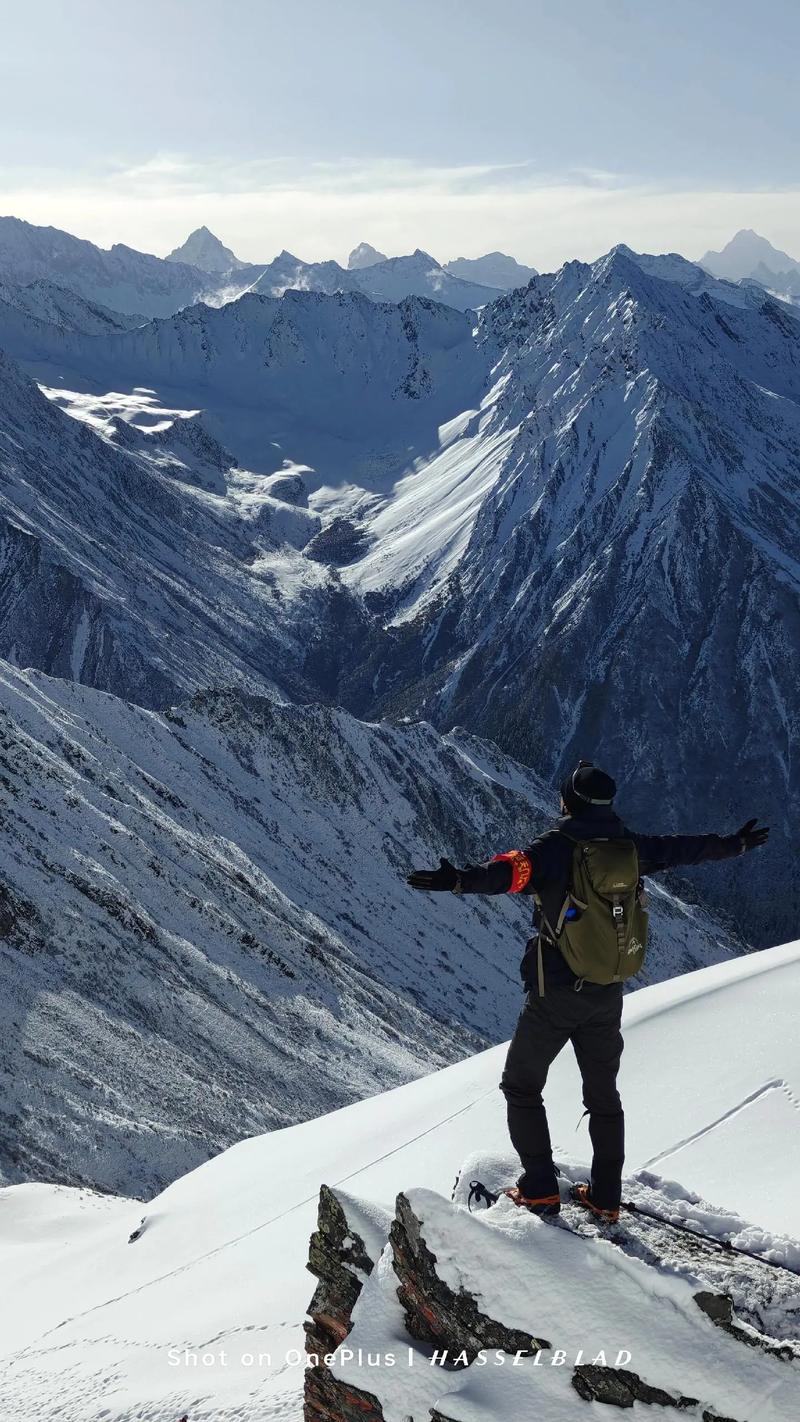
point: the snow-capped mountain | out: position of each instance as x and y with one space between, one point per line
494 269
364 255
389 279
362 387
218 893
121 278
553 526
613 537
745 252
205 251
749 257
218 1267
132 282
133 553
421 275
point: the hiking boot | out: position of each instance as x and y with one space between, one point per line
540 1205
580 1194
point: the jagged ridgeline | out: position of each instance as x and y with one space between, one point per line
568 523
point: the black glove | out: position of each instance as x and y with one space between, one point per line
435 880
751 836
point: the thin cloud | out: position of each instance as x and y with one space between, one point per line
322 209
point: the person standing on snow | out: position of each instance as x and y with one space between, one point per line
591 934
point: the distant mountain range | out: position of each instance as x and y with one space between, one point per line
610 447
202 269
494 270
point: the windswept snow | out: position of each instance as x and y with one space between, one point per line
88 1320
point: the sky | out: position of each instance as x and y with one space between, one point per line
550 129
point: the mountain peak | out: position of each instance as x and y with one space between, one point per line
364 255
494 269
746 251
205 251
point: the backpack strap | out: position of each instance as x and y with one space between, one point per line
619 924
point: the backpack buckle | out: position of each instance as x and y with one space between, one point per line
617 910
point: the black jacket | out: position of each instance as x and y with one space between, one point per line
550 860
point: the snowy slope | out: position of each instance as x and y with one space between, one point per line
43 301
137 558
220 893
88 1320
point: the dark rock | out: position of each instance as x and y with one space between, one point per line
436 1315
339 543
719 1308
290 489
339 1258
327 1399
622 1388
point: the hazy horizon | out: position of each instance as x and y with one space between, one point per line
342 257
545 131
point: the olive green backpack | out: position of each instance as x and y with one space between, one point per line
605 937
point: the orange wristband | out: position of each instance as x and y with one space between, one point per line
521 869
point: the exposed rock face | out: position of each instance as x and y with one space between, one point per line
719 1308
622 1388
448 1323
434 1313
339 1257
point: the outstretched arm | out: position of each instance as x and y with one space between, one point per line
668 851
516 871
493 877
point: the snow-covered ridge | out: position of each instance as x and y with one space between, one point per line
45 302
220 1260
120 278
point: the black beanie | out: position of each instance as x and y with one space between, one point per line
587 785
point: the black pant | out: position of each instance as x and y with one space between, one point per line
590 1020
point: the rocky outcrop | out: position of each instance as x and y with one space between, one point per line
340 1259
719 1308
445 1326
434 1313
